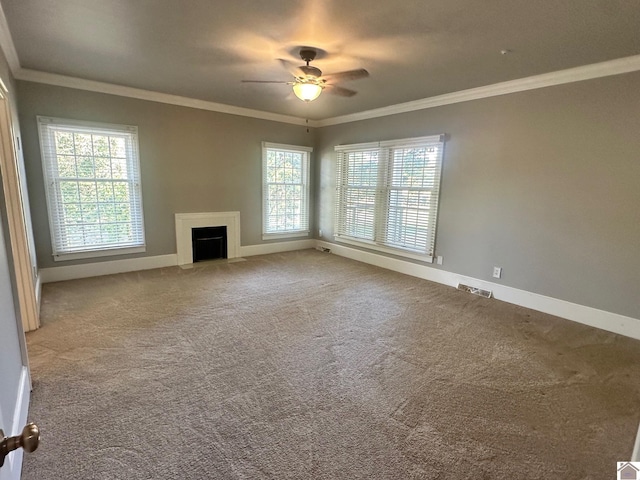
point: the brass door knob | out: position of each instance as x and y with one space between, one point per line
28 440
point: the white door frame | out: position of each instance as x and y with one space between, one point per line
25 274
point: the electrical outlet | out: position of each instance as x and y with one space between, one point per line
497 272
439 260
320 233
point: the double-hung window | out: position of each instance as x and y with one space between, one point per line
285 204
92 179
387 195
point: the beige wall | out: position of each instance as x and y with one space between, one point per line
191 160
545 184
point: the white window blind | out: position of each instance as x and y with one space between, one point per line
387 194
92 178
285 189
358 172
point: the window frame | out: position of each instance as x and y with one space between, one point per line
52 179
305 229
379 240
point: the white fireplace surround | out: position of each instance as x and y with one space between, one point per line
185 222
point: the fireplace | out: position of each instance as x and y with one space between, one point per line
187 222
208 243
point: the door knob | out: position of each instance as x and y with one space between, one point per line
28 440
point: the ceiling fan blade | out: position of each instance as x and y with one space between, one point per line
292 68
343 92
310 71
348 75
266 81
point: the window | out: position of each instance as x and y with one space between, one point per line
387 195
92 179
285 205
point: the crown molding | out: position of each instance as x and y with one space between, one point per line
140 94
577 74
6 43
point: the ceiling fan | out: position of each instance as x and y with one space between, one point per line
308 82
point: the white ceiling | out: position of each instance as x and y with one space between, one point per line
413 49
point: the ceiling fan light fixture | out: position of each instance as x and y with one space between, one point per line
307 91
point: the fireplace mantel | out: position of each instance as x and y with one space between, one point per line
186 221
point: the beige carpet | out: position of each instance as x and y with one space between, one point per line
305 365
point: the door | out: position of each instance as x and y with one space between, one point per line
17 219
14 375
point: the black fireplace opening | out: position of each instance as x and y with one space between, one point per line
209 243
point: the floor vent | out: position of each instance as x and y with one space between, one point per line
475 290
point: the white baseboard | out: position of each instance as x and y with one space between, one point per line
266 248
635 455
13 462
593 317
96 269
85 270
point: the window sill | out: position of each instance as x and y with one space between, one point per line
276 236
384 249
61 257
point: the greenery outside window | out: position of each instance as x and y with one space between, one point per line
92 180
285 204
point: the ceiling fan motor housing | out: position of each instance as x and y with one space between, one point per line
308 54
